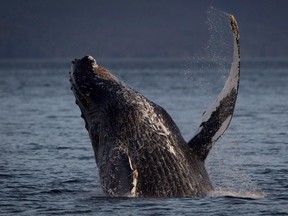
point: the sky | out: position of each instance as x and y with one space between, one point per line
135 28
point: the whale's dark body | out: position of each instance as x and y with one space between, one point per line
138 148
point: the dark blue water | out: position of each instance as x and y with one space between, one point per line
47 164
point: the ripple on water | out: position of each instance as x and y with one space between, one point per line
47 164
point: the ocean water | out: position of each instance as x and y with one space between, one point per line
47 164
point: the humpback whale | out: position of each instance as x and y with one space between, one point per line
138 148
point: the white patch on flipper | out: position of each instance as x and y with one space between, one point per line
222 129
134 181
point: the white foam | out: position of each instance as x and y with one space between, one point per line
241 194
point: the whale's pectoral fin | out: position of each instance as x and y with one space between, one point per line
118 175
217 118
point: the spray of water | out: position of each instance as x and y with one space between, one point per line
228 174
216 54
220 44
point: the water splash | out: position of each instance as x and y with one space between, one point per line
237 194
220 45
228 173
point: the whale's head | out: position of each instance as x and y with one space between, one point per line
92 86
95 91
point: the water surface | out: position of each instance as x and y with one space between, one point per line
47 164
